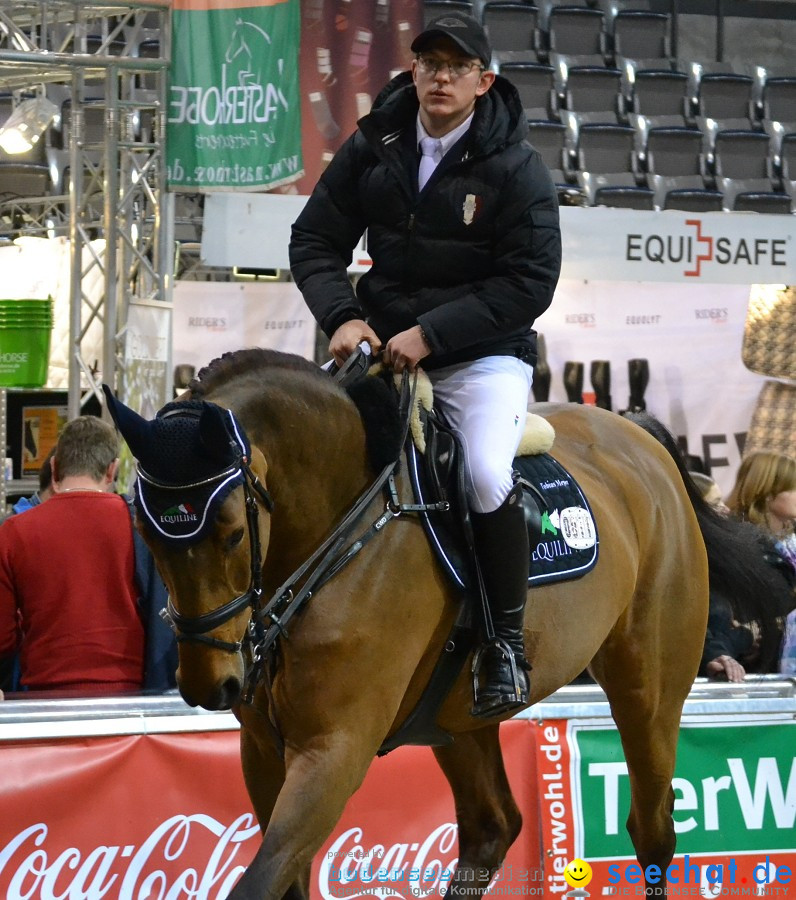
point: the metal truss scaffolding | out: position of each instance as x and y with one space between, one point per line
104 65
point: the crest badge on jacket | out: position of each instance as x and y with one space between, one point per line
471 207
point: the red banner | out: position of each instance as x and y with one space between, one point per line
167 816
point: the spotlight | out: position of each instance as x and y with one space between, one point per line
26 124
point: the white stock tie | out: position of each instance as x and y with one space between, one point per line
431 148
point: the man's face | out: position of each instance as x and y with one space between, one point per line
447 96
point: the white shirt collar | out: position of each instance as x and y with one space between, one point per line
449 139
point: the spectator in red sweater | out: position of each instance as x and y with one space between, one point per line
68 598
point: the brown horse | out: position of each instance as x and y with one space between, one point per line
357 658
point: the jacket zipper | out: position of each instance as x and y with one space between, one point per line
410 229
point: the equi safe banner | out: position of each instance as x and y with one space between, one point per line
234 116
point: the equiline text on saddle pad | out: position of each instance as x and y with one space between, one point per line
561 528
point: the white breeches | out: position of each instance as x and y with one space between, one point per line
486 403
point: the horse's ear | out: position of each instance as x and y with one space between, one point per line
214 433
136 430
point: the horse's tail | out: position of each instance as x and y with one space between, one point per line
757 591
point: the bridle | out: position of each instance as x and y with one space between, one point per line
267 622
193 629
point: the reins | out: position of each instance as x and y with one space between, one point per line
268 622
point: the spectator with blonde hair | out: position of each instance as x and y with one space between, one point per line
765 495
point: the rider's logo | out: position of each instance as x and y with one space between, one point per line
470 208
183 512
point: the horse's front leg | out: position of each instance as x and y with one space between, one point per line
319 779
264 775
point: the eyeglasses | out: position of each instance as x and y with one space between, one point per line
429 65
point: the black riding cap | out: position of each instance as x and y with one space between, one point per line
465 31
189 459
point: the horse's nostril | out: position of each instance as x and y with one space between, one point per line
229 694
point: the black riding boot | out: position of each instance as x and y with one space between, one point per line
501 541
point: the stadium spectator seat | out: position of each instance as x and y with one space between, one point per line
641 37
592 96
21 179
778 107
549 138
512 30
575 38
627 197
659 99
432 9
676 170
146 83
694 200
547 6
592 93
742 165
787 164
767 202
605 158
723 102
535 85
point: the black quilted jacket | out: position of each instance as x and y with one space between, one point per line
474 258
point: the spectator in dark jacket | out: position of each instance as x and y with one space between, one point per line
466 253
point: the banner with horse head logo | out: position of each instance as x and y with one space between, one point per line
234 114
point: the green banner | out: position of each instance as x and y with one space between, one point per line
735 789
234 113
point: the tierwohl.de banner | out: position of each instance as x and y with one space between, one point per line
234 115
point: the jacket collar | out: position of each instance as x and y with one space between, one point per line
498 120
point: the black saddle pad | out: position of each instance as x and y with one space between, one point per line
561 528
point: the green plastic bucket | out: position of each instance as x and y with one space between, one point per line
25 332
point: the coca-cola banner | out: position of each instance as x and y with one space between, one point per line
398 836
134 817
166 817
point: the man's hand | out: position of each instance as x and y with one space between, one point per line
406 349
725 668
349 336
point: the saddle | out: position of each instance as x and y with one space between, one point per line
562 532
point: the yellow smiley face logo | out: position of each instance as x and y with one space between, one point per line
577 873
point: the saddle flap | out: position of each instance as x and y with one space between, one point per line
442 458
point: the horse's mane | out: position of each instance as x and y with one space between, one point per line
739 570
244 362
376 402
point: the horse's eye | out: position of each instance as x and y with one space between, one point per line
234 539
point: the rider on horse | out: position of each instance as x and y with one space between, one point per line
466 252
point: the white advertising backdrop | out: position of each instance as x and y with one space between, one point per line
691 334
212 318
253 230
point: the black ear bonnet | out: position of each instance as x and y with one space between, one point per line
189 457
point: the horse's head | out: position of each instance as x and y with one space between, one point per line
202 507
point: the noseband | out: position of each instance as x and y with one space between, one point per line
193 629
